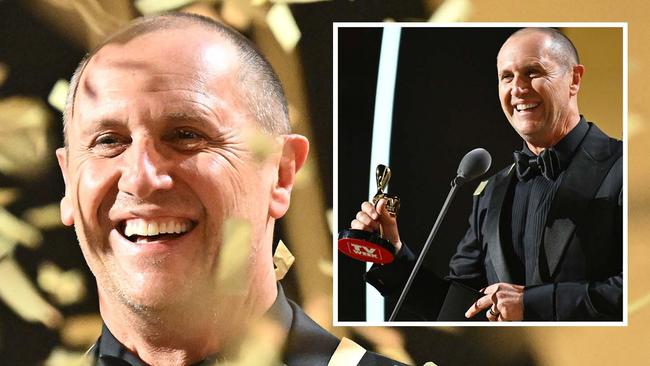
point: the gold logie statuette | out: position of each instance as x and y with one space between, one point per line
382 175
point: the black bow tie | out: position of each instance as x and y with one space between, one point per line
546 164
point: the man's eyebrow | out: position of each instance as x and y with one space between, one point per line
101 125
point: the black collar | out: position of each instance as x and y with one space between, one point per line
111 352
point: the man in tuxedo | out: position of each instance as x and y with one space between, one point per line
158 161
545 235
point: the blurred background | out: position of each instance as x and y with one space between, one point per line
48 304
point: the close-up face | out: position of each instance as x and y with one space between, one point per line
534 88
157 161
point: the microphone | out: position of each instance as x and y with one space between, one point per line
474 164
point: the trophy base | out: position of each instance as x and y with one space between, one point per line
366 246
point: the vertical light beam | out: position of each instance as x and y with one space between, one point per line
381 132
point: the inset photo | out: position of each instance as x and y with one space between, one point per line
480 174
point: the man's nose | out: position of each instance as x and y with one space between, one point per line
520 86
145 170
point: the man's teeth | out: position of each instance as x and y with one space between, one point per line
144 228
521 107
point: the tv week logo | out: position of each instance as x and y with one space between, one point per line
364 251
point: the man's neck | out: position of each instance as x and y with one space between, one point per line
536 147
186 334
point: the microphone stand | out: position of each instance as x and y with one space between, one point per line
455 183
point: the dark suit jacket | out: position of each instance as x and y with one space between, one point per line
578 274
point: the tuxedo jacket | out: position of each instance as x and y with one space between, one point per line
578 269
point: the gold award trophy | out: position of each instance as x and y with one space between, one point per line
371 246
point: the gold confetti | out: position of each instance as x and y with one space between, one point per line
347 353
66 287
44 217
296 1
635 124
328 217
234 256
6 247
4 73
146 7
452 11
62 357
262 345
388 342
283 259
13 228
58 94
79 331
638 304
24 147
20 295
260 144
8 196
283 26
326 267
237 14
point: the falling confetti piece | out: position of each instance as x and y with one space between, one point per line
283 26
639 304
283 259
8 196
24 148
66 287
234 256
237 14
388 342
262 345
20 295
347 353
452 11
81 331
44 217
58 95
430 364
260 144
328 217
146 7
6 247
13 228
326 267
4 72
62 357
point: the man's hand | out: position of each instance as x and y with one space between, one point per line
371 219
506 303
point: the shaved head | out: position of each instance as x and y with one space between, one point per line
561 46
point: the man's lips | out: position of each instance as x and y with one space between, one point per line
140 230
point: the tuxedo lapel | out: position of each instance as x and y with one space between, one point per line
493 226
589 166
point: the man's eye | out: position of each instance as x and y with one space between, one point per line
506 78
184 134
107 140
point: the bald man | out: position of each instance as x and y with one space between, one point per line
156 163
545 236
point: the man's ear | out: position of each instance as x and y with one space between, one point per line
578 71
294 154
67 210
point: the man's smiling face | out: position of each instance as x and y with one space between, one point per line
157 161
535 89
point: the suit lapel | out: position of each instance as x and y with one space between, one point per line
589 166
493 226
